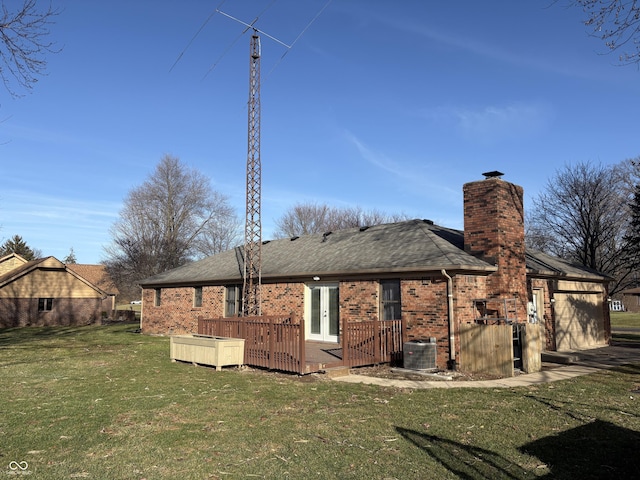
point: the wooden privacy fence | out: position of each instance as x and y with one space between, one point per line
278 343
487 349
271 342
490 348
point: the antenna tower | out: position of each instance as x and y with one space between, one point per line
252 275
252 283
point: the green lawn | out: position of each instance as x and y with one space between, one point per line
105 403
625 319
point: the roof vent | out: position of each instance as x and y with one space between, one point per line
363 228
494 174
295 238
325 235
428 222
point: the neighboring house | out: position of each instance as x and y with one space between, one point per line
98 276
631 299
46 292
434 279
11 262
616 306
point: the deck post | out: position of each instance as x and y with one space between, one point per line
272 339
345 344
301 339
376 341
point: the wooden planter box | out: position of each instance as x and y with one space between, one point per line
206 350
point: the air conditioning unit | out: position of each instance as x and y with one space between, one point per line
420 354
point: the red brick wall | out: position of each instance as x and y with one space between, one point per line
468 288
425 311
283 298
494 231
424 306
22 312
176 314
359 300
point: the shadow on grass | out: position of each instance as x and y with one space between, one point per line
592 451
11 337
629 340
465 461
596 450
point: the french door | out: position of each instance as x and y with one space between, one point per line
323 320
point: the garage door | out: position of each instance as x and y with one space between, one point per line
579 321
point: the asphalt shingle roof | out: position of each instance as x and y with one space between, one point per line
410 246
414 245
544 264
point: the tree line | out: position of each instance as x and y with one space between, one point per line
589 214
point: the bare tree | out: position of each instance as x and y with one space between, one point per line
24 32
617 23
167 222
221 235
308 218
583 216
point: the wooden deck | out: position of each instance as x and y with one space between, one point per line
278 343
321 355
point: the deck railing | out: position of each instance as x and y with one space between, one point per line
372 341
272 342
278 343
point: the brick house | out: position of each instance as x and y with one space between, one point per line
432 278
45 292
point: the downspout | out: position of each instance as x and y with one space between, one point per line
451 363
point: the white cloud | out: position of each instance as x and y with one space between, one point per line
54 224
414 174
492 124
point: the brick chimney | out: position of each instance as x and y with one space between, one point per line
494 232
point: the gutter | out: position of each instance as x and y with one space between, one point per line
451 363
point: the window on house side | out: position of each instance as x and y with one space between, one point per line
45 304
158 295
197 296
233 298
390 300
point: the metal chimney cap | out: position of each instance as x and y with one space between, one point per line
494 174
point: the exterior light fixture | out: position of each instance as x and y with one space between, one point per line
316 278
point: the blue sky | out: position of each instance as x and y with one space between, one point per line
380 104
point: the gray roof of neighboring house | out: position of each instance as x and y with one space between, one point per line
411 246
414 246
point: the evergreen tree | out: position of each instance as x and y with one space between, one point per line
71 258
17 245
